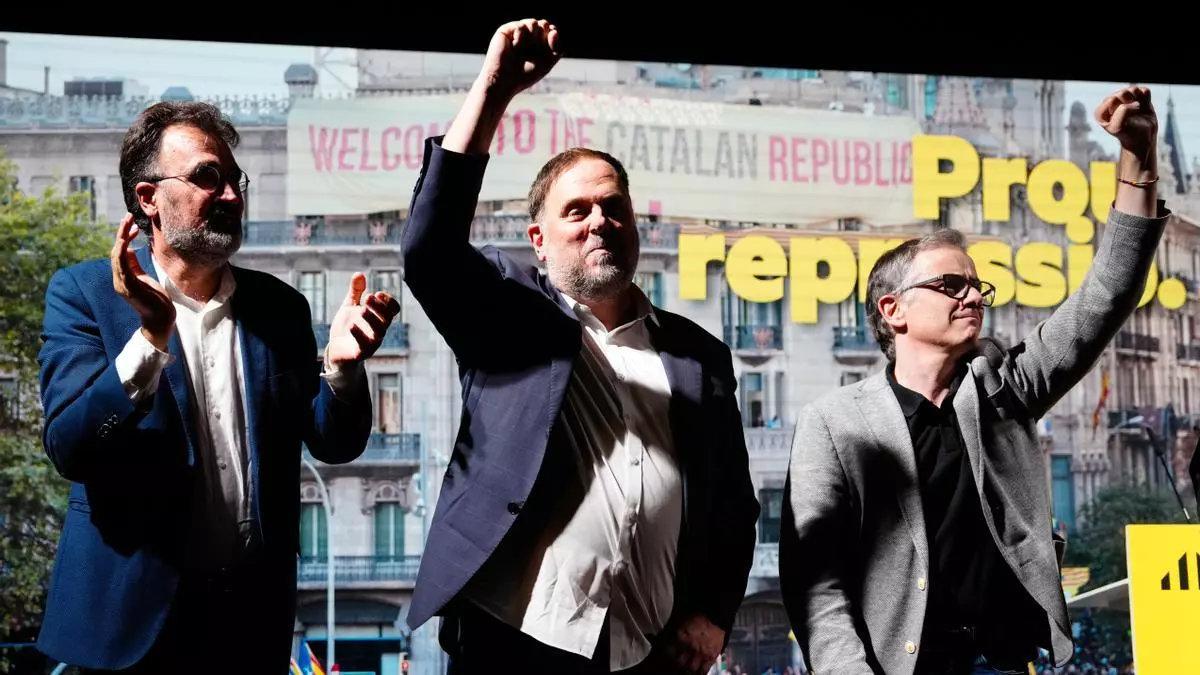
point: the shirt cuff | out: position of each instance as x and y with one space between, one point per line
139 366
343 378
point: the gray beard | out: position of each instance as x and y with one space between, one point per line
607 281
203 245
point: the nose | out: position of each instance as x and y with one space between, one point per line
231 196
597 221
974 298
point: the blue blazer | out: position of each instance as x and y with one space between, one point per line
516 341
132 469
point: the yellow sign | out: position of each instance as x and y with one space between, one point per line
1164 597
1036 274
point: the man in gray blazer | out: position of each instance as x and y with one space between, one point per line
917 530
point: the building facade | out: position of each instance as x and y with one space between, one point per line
379 506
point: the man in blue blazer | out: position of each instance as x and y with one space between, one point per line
177 392
598 513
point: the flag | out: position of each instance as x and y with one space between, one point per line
1104 388
294 668
308 664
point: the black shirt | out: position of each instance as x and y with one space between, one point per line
969 581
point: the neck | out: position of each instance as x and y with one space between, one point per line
614 311
198 281
930 374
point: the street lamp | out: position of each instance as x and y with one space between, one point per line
328 504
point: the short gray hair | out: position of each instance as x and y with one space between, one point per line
890 274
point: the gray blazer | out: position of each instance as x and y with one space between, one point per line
854 553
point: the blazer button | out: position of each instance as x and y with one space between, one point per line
515 507
105 429
921 583
910 647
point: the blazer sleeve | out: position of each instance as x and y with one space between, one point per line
816 554
88 415
1061 349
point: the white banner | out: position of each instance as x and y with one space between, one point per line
685 159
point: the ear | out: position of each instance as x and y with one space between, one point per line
146 194
892 311
534 231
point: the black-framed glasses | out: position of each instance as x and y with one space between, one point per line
956 286
209 178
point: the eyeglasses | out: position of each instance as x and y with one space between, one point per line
209 178
956 286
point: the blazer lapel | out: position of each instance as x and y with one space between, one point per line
255 375
176 371
881 411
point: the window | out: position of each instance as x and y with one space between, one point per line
313 531
389 530
651 285
388 281
39 184
751 325
753 400
388 417
780 396
852 313
114 199
931 92
897 91
86 185
770 516
312 287
1062 487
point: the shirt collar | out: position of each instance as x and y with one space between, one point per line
910 401
642 307
224 291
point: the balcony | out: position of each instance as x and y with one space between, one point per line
1136 344
359 570
1117 418
268 234
395 341
1189 352
754 340
855 345
1161 420
764 442
106 112
403 448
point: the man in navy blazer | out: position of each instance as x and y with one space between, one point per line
177 392
598 513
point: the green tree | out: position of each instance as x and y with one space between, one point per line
39 234
1100 544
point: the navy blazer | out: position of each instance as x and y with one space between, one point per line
516 340
132 468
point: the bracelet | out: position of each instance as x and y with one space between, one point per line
1138 184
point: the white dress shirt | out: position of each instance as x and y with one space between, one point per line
609 545
212 354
